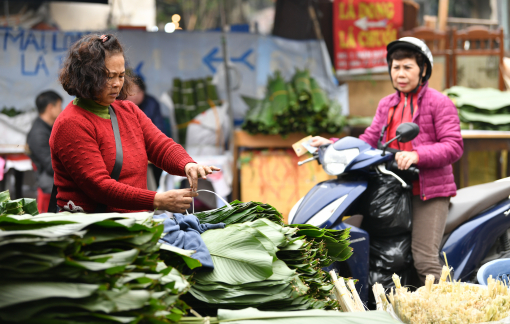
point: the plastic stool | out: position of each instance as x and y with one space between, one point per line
499 269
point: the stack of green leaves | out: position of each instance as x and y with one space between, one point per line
314 249
86 268
240 212
191 98
300 105
304 250
247 271
18 206
485 109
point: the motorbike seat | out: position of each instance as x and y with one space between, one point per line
471 201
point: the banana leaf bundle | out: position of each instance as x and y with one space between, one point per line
335 120
191 98
201 96
313 249
278 95
240 212
296 106
248 272
301 81
17 207
188 98
320 100
292 98
86 268
304 249
251 121
181 114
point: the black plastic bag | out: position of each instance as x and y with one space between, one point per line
391 253
388 208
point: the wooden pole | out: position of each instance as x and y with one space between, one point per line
443 14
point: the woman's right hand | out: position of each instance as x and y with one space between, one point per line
319 141
175 201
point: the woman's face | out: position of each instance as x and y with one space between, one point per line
115 65
405 74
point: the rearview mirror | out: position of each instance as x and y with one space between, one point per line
407 132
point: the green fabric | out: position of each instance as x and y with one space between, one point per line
93 107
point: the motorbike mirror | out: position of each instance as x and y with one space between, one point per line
407 132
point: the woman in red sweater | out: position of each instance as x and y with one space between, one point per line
83 146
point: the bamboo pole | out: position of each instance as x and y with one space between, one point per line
226 60
443 14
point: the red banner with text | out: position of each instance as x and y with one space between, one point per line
362 29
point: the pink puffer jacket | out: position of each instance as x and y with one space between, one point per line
438 145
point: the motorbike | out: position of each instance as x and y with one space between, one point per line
477 226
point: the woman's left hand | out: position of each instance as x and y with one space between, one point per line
406 159
193 171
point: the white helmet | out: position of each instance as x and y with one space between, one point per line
414 44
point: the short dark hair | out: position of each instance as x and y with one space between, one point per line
84 73
45 98
138 80
403 53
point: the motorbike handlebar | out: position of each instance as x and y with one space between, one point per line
393 166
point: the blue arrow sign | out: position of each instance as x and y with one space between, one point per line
211 57
242 59
138 70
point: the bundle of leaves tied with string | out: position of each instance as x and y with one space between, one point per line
299 105
191 98
260 262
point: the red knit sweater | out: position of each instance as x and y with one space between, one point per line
83 154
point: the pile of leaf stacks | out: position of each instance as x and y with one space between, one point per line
484 109
299 105
191 98
261 263
85 268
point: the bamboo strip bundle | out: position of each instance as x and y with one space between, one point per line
448 302
349 300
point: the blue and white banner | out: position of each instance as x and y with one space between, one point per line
30 62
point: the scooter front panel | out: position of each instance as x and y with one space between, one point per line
470 243
349 142
323 194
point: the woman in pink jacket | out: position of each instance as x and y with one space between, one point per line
437 146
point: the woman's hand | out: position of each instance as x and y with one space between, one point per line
406 159
193 171
319 141
175 201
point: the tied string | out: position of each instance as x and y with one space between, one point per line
193 201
